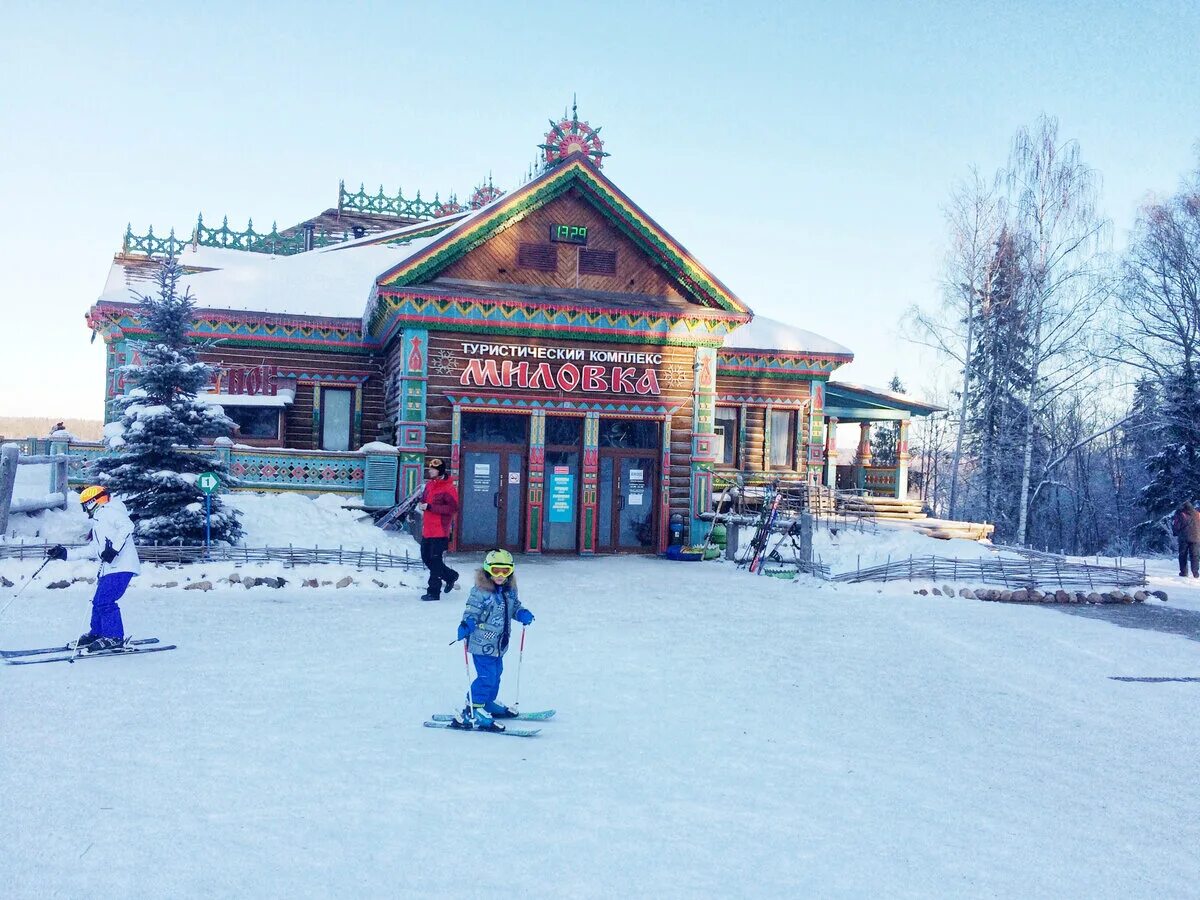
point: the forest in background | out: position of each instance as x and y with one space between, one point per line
19 427
1070 373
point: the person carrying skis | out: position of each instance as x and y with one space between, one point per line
486 626
439 503
111 540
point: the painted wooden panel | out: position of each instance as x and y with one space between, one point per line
496 260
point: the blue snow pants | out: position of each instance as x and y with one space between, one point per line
106 615
486 685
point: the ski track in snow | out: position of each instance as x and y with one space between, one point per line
718 734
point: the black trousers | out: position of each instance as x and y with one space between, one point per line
431 554
1189 551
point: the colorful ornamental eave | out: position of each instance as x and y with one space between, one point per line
580 172
238 328
396 310
778 363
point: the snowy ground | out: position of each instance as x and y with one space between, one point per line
718 735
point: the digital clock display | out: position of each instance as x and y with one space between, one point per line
568 234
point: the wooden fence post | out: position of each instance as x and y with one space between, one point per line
8 477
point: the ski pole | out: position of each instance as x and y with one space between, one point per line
470 696
29 582
520 658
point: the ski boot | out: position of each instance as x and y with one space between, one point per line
475 718
84 640
104 643
499 711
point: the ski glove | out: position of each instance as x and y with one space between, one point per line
465 627
524 616
58 551
109 553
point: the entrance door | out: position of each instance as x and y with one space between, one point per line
628 499
492 481
493 494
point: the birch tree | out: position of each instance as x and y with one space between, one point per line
975 220
1059 233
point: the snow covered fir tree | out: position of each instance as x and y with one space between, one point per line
151 469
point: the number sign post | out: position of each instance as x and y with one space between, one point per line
207 482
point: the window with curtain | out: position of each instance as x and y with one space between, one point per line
725 421
783 438
336 410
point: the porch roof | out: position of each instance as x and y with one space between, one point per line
860 403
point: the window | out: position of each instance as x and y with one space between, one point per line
783 438
543 257
725 424
597 262
493 428
630 434
336 410
255 422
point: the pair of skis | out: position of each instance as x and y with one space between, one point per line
762 534
69 653
444 720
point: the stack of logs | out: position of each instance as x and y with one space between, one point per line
1033 595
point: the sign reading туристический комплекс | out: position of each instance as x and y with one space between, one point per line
537 367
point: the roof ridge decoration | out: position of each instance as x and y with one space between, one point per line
382 204
572 136
612 203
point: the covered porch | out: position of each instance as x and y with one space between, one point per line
867 407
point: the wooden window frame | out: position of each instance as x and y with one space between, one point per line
794 416
737 426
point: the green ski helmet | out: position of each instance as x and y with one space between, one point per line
498 562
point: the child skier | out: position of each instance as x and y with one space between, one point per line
487 626
112 541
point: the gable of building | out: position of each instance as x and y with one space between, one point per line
645 254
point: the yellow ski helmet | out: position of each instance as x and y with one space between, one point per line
498 562
93 496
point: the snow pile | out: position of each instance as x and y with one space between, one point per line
269 520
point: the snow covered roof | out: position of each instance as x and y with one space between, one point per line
285 397
335 281
843 393
770 334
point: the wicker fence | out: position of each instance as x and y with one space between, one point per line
291 556
1010 573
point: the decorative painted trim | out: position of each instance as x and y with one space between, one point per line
535 476
756 401
508 403
589 507
394 312
236 327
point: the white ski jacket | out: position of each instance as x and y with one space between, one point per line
110 525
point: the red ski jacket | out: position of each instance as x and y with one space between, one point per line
442 497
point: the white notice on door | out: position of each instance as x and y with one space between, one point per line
635 475
482 469
635 498
514 477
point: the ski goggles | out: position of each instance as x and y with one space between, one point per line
500 569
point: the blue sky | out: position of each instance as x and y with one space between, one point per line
802 152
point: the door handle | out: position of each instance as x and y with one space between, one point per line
496 499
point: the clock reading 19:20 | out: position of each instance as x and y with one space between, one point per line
568 234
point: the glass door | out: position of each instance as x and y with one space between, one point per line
561 480
493 499
628 495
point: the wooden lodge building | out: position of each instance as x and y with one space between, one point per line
584 376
